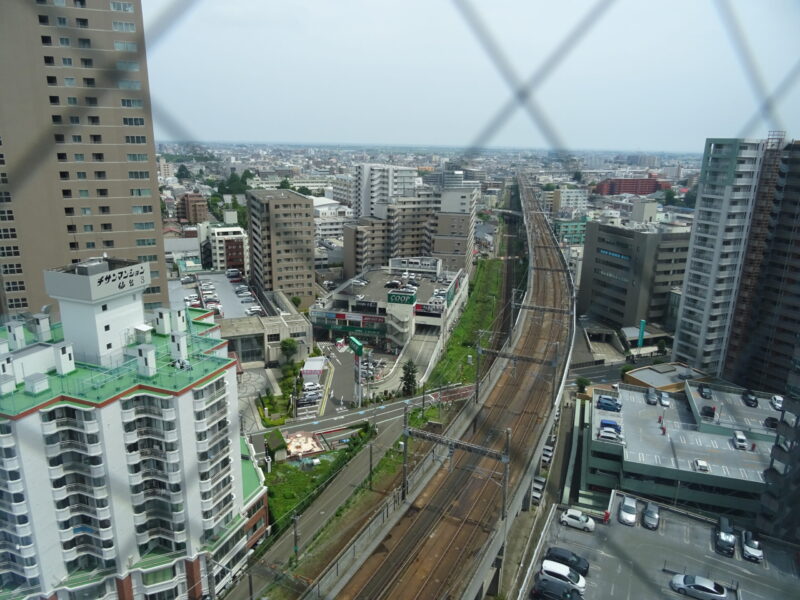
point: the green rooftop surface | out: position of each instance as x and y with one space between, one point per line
94 384
250 480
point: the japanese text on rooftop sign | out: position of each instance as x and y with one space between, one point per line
121 278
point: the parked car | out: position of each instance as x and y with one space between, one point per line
604 404
247 300
553 590
610 424
627 511
558 572
577 519
724 540
650 516
751 547
698 587
749 398
777 402
311 386
664 400
705 392
708 411
701 466
771 423
569 558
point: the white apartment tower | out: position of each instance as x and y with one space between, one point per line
123 474
378 183
726 198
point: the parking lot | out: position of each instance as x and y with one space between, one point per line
637 563
232 306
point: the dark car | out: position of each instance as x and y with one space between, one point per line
771 422
707 411
705 392
749 398
650 516
725 540
554 590
569 558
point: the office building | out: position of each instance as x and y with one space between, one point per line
224 247
641 186
734 245
281 224
378 183
192 208
78 174
627 273
124 473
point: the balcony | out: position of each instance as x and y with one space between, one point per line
784 455
788 432
14 508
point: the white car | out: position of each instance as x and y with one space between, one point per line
555 571
777 402
310 386
575 518
698 587
627 511
664 401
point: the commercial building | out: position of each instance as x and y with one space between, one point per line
739 300
642 186
224 247
281 224
660 445
192 208
78 172
373 183
570 231
124 473
570 200
627 273
387 306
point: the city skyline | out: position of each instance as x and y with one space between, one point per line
317 74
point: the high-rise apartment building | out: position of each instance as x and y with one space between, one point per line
627 273
452 228
281 224
727 253
123 473
192 208
378 183
224 247
78 175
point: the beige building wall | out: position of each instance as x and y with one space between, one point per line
77 160
282 243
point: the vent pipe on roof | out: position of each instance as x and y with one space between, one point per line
146 360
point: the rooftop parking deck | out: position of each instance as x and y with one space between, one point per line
682 442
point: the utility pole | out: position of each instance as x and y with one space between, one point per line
296 541
405 451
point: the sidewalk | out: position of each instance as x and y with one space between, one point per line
319 513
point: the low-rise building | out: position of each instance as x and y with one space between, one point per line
192 208
224 247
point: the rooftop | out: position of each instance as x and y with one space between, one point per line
683 442
665 375
731 412
92 385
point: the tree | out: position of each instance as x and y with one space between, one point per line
289 348
690 197
669 197
304 190
578 176
285 185
549 187
582 384
297 301
625 369
409 379
662 347
183 173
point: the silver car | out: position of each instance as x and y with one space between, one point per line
650 516
627 511
698 587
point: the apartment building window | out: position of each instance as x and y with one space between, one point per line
147 258
12 269
86 211
7 214
78 157
129 84
108 243
72 100
80 174
56 119
132 102
105 210
76 139
17 303
105 227
125 26
274 337
69 82
2 157
121 46
6 251
63 41
102 192
146 242
138 174
87 63
62 175
49 60
99 174
72 228
61 21
74 120
84 43
47 40
66 193
51 80
137 157
122 6
153 289
61 156
94 120
69 211
91 101
135 139
5 197
90 245
133 121
127 65
9 233
89 82
54 100
3 177
44 20
79 3
141 192
142 225
83 193
73 245
88 228
140 209
82 23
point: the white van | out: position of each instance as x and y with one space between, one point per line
739 440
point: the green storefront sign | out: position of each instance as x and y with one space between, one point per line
356 346
402 298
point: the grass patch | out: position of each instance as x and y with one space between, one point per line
481 308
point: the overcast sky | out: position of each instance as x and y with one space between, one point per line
647 75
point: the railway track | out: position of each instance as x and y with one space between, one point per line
436 544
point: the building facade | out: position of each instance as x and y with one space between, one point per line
132 481
735 174
281 225
627 273
78 173
641 186
225 247
374 183
192 208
